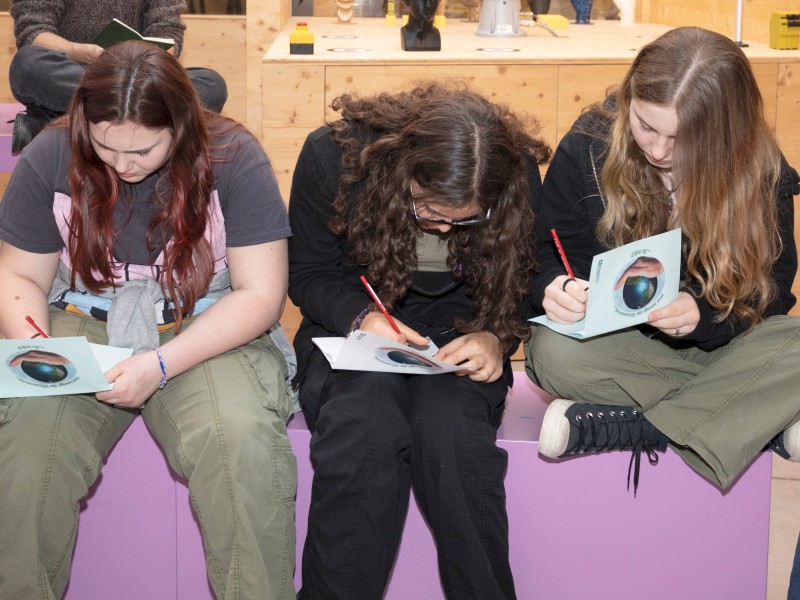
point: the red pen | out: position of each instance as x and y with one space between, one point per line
41 332
380 304
561 253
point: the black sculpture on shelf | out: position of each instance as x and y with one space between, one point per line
419 33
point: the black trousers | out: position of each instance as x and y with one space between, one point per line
44 78
373 436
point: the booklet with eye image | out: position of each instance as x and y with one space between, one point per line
626 284
55 366
364 351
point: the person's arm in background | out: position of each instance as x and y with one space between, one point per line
36 22
162 18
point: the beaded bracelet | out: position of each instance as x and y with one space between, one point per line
359 319
163 366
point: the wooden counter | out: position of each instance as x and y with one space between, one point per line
551 78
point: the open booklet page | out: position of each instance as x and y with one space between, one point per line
626 284
116 31
363 351
55 366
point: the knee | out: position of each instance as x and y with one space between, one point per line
249 427
551 351
462 446
24 70
211 88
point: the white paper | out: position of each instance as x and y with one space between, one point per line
55 366
363 351
610 309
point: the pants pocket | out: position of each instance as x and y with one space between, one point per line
270 371
284 470
9 407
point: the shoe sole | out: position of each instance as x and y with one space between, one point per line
791 441
553 437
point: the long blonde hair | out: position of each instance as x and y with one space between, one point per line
725 169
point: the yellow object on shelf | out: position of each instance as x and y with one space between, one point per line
391 18
301 40
784 30
439 21
553 21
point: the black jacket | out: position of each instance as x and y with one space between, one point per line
324 282
572 204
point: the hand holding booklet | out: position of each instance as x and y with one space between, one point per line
116 31
626 284
55 366
363 351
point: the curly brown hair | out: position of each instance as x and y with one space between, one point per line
463 150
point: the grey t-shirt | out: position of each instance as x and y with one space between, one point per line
249 198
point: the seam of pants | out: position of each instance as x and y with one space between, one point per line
368 453
45 585
289 528
235 566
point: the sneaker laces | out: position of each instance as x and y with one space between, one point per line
623 430
636 459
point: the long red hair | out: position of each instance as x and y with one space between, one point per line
135 82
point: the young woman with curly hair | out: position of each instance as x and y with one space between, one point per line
429 194
143 220
682 143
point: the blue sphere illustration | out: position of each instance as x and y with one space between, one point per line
44 372
639 291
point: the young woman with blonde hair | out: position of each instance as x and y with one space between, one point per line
682 143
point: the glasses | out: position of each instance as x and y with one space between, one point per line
473 220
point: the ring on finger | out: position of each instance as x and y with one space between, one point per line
564 285
677 331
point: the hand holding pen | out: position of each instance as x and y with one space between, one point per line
376 322
565 298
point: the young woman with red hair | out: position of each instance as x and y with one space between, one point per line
143 220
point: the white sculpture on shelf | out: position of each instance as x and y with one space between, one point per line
627 11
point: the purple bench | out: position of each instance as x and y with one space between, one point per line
574 529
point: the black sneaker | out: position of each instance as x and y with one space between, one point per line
27 125
570 429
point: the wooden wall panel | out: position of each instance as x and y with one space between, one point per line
7 49
717 15
582 85
219 42
265 19
296 107
525 88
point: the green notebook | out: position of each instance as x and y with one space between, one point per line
116 31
